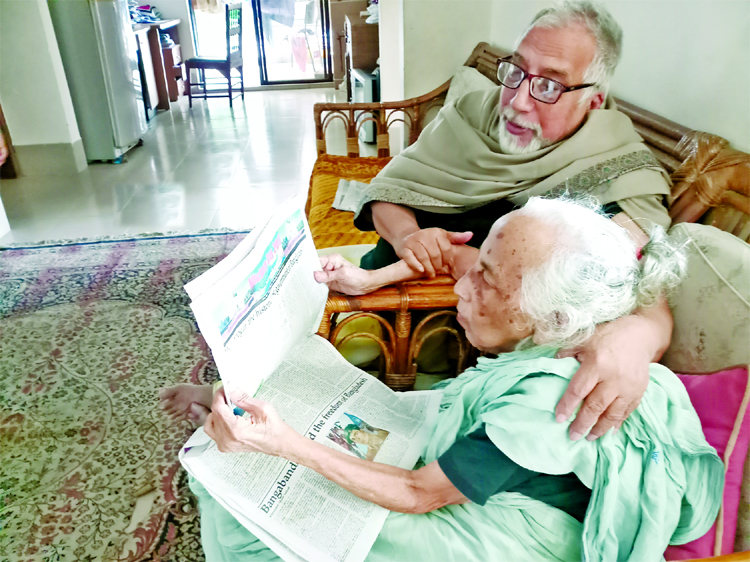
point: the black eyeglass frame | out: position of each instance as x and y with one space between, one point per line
530 76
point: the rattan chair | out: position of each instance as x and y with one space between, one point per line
224 66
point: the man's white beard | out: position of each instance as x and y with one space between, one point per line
509 142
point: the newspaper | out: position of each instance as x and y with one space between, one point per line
255 304
296 512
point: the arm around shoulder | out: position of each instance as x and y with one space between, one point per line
614 362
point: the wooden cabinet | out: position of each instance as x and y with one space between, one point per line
173 71
362 47
166 62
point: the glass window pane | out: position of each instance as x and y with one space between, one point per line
293 40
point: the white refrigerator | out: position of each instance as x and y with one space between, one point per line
100 57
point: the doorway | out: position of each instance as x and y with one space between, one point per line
283 41
293 37
209 33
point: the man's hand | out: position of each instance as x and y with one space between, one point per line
263 432
342 276
462 259
428 250
614 363
614 370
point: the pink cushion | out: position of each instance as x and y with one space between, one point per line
720 400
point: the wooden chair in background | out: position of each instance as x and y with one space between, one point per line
224 66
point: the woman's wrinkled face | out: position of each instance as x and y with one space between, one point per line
489 294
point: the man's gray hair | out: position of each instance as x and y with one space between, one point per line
594 274
604 29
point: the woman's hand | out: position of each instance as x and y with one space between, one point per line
263 432
343 277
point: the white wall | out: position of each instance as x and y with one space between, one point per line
423 43
180 9
33 89
391 35
438 36
686 60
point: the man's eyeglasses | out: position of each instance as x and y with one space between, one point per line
542 89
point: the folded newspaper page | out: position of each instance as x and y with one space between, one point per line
259 309
255 304
295 511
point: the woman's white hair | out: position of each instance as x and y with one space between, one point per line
603 28
593 274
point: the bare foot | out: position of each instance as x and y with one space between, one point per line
177 401
198 413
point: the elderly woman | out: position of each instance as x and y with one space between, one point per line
499 479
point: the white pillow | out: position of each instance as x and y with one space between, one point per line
466 80
711 308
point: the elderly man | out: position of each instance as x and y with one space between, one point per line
550 126
499 479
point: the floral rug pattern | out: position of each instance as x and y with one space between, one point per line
89 332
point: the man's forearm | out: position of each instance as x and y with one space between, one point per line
393 222
657 321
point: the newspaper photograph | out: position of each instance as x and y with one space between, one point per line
297 512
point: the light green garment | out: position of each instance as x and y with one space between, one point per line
656 481
509 527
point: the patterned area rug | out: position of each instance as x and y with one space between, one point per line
89 332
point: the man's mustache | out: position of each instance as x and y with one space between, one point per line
510 114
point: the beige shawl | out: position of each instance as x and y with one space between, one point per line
457 165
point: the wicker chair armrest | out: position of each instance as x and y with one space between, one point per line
400 300
423 294
411 112
712 184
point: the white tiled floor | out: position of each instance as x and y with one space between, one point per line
209 167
